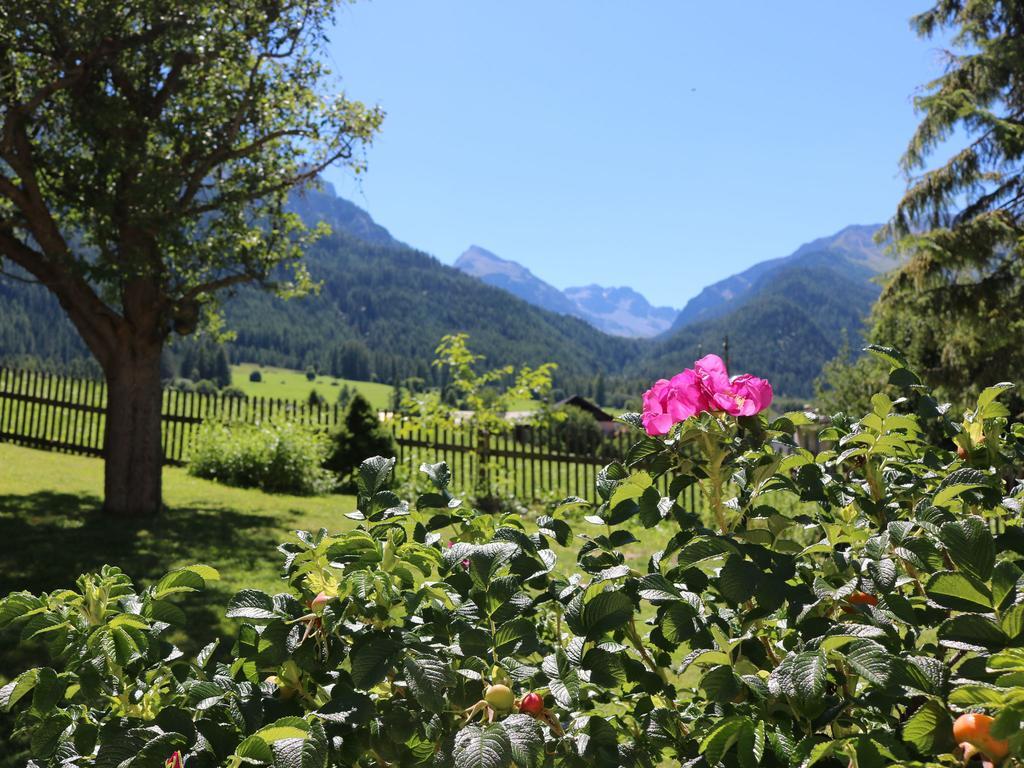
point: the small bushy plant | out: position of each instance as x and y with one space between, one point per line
277 458
360 435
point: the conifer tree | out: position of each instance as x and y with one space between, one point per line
956 306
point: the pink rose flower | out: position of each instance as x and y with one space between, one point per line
669 402
705 387
745 396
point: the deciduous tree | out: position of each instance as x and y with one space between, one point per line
147 149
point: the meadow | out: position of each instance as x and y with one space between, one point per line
286 384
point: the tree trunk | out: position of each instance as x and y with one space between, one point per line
132 443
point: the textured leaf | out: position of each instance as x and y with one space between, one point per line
488 747
930 729
605 612
959 592
11 693
738 579
972 632
526 738
721 738
428 679
870 660
956 483
251 604
370 659
970 544
563 681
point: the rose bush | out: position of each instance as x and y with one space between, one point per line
842 609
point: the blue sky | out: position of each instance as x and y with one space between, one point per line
661 144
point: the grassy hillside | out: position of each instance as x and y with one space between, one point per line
287 384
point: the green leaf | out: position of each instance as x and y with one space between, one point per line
1012 621
738 579
970 544
870 660
371 659
563 681
800 675
374 475
930 729
11 693
977 695
191 578
604 612
428 679
513 634
1004 580
285 728
956 483
989 394
526 738
750 746
972 632
721 684
721 738
631 488
256 749
49 691
959 592
488 747
704 549
440 475
251 604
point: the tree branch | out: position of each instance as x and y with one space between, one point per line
95 321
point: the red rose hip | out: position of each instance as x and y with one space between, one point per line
531 704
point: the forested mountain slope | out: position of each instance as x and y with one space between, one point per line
383 306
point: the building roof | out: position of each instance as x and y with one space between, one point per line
581 402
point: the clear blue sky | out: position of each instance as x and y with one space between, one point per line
662 144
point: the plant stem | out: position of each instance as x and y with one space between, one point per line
634 638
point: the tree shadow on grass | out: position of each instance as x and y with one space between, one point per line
48 539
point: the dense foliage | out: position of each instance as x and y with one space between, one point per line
960 221
832 610
275 457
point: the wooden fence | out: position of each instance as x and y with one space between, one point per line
63 414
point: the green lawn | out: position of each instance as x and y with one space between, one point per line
287 384
53 530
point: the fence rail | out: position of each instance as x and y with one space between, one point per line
63 414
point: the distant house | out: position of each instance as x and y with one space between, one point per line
604 419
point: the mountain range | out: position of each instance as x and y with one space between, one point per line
617 311
383 306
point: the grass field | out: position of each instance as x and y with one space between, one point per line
51 522
287 384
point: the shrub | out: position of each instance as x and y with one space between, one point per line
849 632
360 435
206 387
233 392
256 377
278 458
